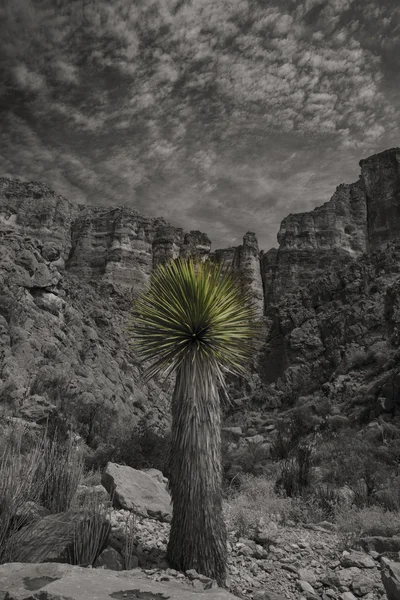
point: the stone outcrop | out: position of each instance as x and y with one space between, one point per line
19 581
380 179
67 276
391 578
346 320
359 218
114 246
245 259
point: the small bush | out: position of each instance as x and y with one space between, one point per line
255 501
141 446
249 458
354 523
295 474
91 477
47 474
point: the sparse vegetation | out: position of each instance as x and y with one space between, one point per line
141 446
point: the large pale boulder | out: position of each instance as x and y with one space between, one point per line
138 491
52 581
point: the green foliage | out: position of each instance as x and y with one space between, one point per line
197 311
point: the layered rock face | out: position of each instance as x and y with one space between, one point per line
67 276
113 246
380 178
333 233
68 273
346 321
246 260
358 218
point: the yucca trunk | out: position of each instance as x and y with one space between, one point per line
198 538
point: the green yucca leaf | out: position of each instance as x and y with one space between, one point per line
194 310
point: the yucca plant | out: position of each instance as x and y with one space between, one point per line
196 321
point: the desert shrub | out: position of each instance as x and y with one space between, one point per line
129 535
347 457
255 501
91 477
141 446
326 498
295 475
389 495
353 522
282 446
249 458
306 509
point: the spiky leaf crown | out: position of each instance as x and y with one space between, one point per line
194 310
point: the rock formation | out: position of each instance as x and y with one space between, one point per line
68 273
246 260
358 219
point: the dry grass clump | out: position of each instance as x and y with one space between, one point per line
90 529
60 470
46 473
19 483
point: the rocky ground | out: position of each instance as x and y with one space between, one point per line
300 563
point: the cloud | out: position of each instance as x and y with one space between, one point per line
28 81
223 115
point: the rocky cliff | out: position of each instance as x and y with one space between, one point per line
68 272
67 276
358 219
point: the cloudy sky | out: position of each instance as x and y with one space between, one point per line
221 115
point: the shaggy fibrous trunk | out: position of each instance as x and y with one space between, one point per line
198 538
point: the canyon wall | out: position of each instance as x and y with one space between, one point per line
68 273
359 218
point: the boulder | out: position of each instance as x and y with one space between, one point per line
380 544
357 559
135 490
363 585
390 574
109 559
52 581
